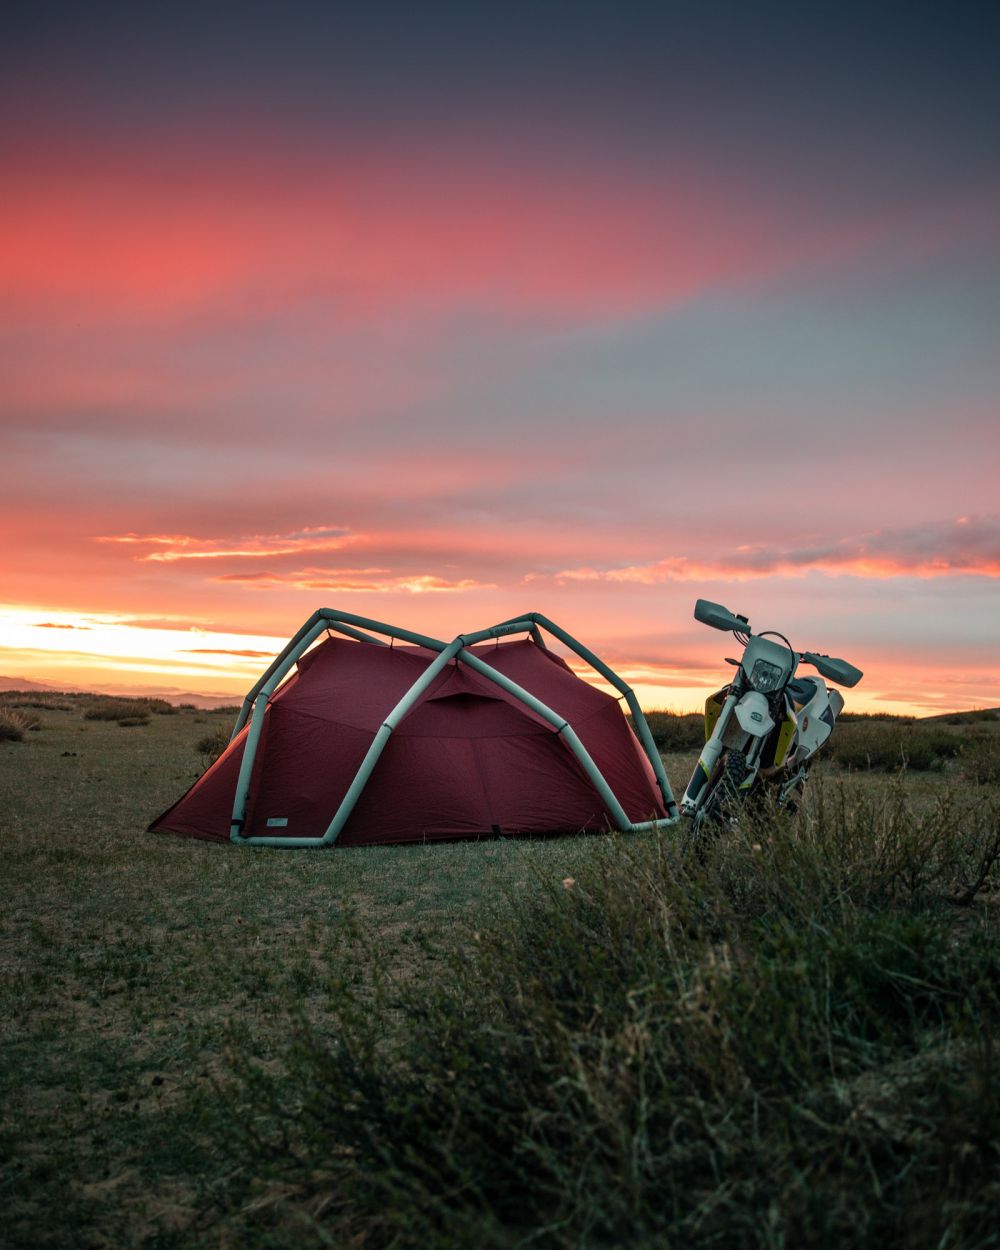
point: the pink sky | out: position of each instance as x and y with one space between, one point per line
264 354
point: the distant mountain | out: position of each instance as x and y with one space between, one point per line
171 693
22 683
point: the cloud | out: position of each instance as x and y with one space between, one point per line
249 578
200 224
186 547
358 581
968 545
56 625
682 675
227 651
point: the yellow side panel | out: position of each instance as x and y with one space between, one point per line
784 739
713 706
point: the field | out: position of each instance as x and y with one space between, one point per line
786 1040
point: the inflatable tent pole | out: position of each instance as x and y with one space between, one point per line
255 706
325 618
638 719
258 697
347 803
559 723
355 789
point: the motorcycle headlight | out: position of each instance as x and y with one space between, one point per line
765 677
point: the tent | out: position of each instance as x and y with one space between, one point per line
352 739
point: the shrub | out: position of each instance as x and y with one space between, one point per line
784 1042
115 709
881 718
212 745
980 759
13 725
672 731
160 706
888 747
42 702
978 717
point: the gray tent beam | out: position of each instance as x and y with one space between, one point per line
264 689
367 766
255 706
379 742
342 621
350 632
260 694
638 717
561 725
305 629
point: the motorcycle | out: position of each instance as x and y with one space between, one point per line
766 726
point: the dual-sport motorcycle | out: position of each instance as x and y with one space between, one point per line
766 725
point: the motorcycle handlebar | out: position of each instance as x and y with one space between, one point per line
836 670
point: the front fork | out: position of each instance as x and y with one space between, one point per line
707 761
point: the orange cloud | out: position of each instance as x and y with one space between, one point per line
355 581
244 652
969 545
185 547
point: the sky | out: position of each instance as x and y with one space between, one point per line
437 314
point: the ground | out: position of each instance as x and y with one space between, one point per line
136 970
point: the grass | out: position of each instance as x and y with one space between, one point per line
14 724
448 1046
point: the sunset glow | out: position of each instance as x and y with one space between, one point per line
585 316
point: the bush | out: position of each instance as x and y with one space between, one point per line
212 745
160 706
48 703
116 709
14 725
980 759
980 716
785 1042
887 747
672 731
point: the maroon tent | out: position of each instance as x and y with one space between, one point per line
469 758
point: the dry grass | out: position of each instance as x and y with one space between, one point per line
15 724
138 971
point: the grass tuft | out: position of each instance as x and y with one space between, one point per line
116 709
889 746
15 724
784 1043
980 760
581 1042
212 745
673 731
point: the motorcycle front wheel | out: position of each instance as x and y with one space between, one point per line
724 794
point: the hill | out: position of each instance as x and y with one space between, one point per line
205 702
